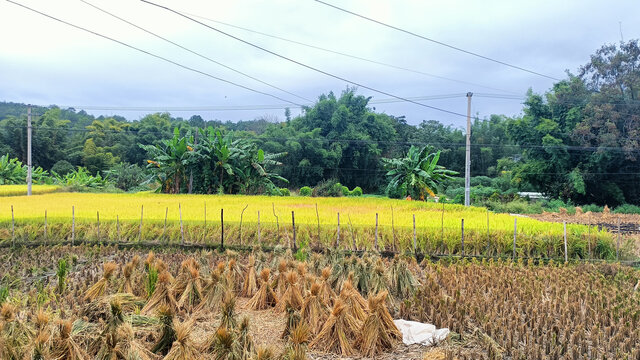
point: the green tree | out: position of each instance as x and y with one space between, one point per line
171 159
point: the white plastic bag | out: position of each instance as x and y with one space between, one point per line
414 332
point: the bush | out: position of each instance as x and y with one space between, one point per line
305 191
285 192
627 209
327 188
357 191
345 191
481 181
593 208
126 176
62 167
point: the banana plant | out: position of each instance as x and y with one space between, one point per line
170 160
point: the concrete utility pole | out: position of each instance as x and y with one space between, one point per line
29 151
467 162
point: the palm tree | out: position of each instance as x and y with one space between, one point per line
418 173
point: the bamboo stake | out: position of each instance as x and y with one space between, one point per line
353 238
618 242
140 229
259 227
338 233
293 224
566 254
204 234
181 226
589 237
241 215
442 227
222 229
45 224
73 224
462 240
488 235
164 231
13 228
118 227
376 241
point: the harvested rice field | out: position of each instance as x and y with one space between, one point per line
110 302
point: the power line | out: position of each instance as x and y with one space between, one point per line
349 55
193 52
300 63
436 41
152 54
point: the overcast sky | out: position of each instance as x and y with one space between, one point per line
45 62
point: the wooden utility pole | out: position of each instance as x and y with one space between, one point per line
29 151
467 162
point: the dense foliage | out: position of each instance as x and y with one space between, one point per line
578 142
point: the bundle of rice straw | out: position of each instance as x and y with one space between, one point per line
129 348
223 345
99 288
305 281
250 284
378 332
162 296
228 311
181 281
101 308
63 345
127 284
293 320
183 347
291 295
265 297
326 292
338 332
168 334
192 293
264 353
314 312
299 338
245 340
355 303
213 292
235 275
15 335
280 283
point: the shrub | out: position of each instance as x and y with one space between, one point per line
126 176
357 191
305 191
593 208
62 167
285 192
627 209
330 187
345 191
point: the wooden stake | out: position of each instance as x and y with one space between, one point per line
515 234
222 229
618 242
164 231
293 224
140 229
73 224
415 247
566 253
338 233
462 240
259 227
98 218
353 237
442 227
242 214
273 206
393 230
13 228
318 219
118 227
376 241
488 235
45 224
181 226
589 237
204 234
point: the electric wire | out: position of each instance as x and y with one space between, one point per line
302 64
151 54
437 42
192 51
348 55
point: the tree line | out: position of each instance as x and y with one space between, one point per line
578 141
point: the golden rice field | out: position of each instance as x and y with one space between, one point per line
438 230
18 190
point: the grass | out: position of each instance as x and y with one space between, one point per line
435 232
21 190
